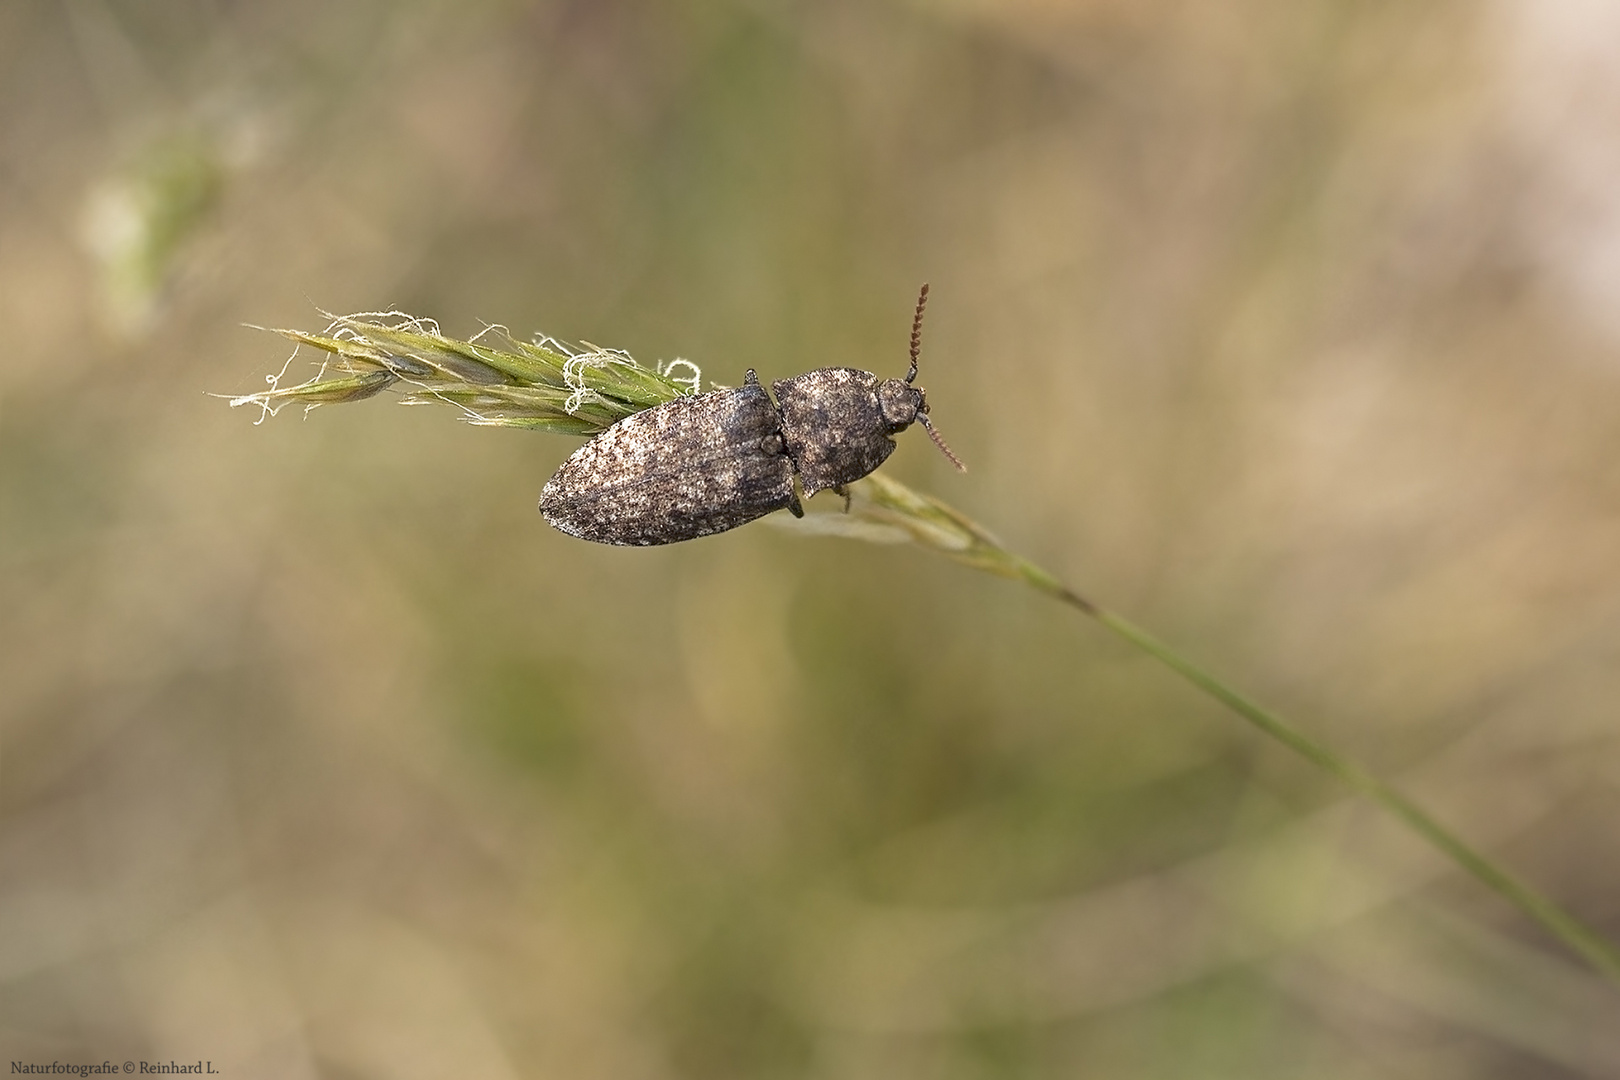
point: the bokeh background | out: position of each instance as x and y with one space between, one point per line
1290 328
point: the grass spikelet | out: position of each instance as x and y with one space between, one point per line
491 379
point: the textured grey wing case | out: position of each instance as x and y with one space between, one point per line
687 468
836 431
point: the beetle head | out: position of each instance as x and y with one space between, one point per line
901 404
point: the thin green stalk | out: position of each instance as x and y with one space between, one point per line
1596 949
548 385
930 523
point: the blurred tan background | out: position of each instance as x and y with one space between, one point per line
1291 329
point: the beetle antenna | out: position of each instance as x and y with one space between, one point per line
916 333
939 441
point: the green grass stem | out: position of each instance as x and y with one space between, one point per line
930 523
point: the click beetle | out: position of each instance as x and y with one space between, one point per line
711 462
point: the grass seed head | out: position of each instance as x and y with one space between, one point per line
491 379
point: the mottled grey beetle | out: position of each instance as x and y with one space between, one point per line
705 464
